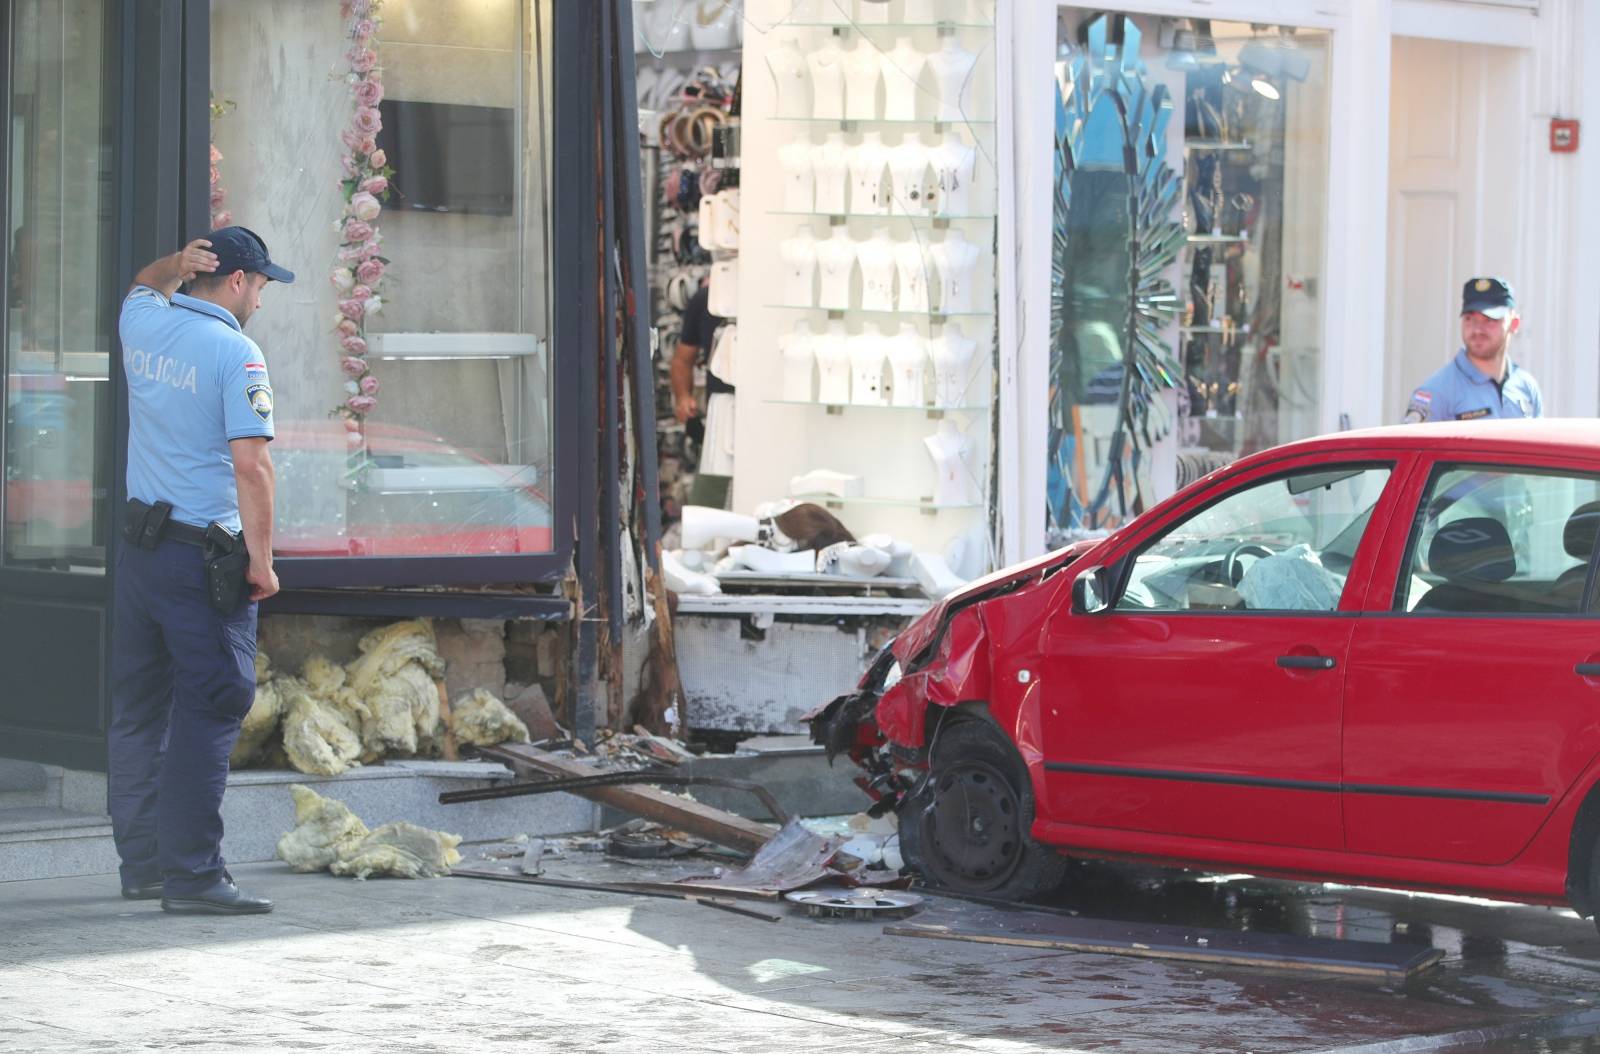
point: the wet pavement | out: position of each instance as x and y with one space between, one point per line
460 965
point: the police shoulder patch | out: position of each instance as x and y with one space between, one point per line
260 397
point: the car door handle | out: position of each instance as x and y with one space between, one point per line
1307 662
1587 669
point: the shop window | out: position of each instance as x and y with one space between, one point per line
58 291
410 192
1223 324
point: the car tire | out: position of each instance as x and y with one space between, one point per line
1594 879
966 829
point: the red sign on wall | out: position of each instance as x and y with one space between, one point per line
1563 135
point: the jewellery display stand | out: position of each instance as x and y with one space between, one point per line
869 320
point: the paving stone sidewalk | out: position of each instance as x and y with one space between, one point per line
455 965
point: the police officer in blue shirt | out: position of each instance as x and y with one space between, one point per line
1481 381
183 641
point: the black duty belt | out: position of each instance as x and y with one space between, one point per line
186 533
146 526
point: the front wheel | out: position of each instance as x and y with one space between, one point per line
967 829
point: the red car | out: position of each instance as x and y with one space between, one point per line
1371 657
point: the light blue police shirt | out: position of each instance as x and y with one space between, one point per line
195 382
1459 391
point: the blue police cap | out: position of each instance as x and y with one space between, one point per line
241 249
1487 296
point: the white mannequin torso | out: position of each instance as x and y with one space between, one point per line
836 261
953 163
902 68
911 268
952 479
876 257
867 161
831 170
908 170
791 81
798 351
951 66
908 365
861 76
799 256
827 82
952 366
799 181
956 260
866 368
833 367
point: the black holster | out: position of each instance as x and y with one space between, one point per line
227 563
144 524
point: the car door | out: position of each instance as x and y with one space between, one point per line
1206 702
1474 677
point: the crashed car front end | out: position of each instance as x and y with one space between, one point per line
941 661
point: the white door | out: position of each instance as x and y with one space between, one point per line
1455 171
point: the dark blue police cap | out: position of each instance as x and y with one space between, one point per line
1487 296
241 249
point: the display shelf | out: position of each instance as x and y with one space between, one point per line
1217 239
926 505
869 27
1243 329
933 316
933 412
930 123
885 215
1216 144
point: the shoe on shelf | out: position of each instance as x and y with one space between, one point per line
224 898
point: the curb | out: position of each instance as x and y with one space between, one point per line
1577 1023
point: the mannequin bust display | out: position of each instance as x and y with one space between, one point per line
908 171
724 298
799 181
952 365
663 30
911 269
951 66
836 264
956 258
789 75
831 12
861 76
953 483
798 351
920 12
833 366
953 163
827 82
831 171
725 219
908 366
876 257
872 12
902 68
867 160
866 368
799 255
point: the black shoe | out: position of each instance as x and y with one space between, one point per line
223 898
143 891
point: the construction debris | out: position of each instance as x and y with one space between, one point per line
482 720
328 836
855 903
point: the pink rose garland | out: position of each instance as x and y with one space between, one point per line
360 268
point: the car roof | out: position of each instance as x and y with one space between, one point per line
1550 435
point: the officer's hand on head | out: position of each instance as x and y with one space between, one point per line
263 581
197 257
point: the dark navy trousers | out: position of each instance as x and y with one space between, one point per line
183 678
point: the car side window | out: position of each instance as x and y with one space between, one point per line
1496 540
1281 544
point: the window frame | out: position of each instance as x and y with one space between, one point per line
1435 472
574 324
1362 564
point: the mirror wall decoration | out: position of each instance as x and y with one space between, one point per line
1115 244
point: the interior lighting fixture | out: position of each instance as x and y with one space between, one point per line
1264 88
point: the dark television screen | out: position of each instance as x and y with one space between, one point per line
449 158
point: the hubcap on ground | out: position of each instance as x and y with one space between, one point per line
972 825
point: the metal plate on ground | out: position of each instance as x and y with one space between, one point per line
1033 929
856 903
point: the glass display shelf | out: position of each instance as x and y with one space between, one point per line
1216 144
1241 329
933 412
933 316
931 123
1217 239
884 27
885 215
925 505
